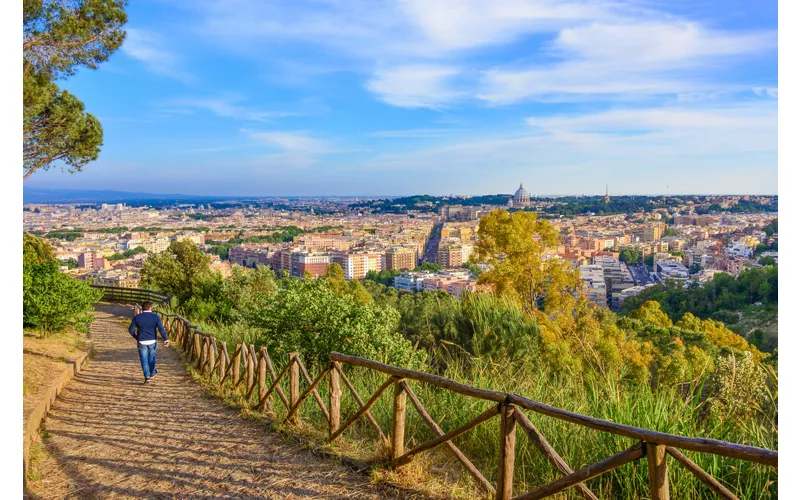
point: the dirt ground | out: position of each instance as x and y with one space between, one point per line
43 359
111 436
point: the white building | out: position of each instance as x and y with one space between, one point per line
594 284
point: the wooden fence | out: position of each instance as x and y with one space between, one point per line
137 296
255 370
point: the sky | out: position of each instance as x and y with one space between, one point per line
388 98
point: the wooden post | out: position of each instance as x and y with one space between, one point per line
196 341
505 462
201 360
335 405
262 382
657 470
212 358
398 420
237 364
251 368
294 381
223 351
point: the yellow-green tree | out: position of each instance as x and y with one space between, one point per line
515 247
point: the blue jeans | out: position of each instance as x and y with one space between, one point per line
147 355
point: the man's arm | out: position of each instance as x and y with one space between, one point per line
132 328
160 326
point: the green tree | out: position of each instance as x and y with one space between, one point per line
513 245
176 271
629 255
52 300
60 36
385 277
474 269
429 266
767 261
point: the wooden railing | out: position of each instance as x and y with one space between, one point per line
255 371
124 295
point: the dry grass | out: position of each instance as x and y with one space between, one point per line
43 359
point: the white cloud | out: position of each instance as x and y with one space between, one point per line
648 141
654 120
151 50
415 133
229 107
627 61
290 141
449 25
428 54
766 92
416 86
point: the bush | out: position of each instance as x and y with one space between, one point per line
51 300
308 316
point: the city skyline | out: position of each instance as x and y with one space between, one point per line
352 99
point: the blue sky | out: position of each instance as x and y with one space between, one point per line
333 97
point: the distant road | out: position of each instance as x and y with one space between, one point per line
640 273
432 248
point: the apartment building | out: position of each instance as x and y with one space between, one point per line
400 258
312 263
357 265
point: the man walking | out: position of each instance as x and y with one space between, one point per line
143 329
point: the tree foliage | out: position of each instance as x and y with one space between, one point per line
513 246
51 300
629 256
177 271
724 292
60 36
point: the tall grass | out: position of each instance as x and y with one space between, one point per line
666 410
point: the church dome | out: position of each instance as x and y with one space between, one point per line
521 192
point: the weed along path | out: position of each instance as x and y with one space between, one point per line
111 436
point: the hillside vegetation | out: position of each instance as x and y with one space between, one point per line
535 337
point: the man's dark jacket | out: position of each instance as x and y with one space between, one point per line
143 327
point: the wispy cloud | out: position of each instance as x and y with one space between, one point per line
771 92
630 60
431 54
294 142
228 107
423 86
415 133
151 50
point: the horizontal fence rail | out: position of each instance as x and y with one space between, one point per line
254 371
123 295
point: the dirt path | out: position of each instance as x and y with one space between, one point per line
114 437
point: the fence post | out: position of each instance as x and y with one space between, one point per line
398 420
294 382
212 357
657 471
505 462
196 352
222 362
335 406
262 382
251 369
237 364
201 359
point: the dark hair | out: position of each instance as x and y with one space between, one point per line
147 305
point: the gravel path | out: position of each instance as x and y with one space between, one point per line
112 436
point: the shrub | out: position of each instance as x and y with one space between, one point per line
52 300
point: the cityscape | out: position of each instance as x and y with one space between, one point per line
428 247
